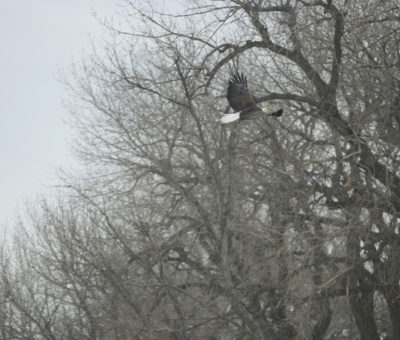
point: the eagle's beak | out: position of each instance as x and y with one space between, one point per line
271 108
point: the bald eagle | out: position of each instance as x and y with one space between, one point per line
241 100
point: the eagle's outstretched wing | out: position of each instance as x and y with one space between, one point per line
239 96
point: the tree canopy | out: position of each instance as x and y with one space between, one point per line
183 228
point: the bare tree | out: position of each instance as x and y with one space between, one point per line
186 229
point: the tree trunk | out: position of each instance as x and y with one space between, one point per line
393 302
362 306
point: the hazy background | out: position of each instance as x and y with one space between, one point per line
38 38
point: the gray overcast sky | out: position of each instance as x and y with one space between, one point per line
37 38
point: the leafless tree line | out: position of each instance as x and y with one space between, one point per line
185 229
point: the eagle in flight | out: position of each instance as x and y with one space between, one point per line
242 102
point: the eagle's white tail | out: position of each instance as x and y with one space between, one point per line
230 117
